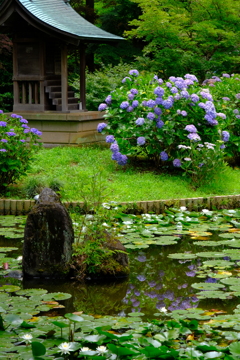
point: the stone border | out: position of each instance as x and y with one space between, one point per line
22 207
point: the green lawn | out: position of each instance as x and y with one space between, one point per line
74 167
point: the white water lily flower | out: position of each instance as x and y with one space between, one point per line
101 349
19 258
27 338
85 349
105 224
65 348
205 211
163 309
231 211
127 222
183 208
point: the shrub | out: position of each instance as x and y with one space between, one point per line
174 122
18 142
226 93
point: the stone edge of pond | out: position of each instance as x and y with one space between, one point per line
22 207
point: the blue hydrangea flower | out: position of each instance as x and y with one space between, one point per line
225 98
133 72
15 116
226 75
194 136
124 105
160 81
185 94
3 123
116 156
237 96
1 112
11 133
114 147
110 139
159 124
216 78
22 140
172 78
24 121
144 103
194 98
174 90
101 126
125 79
25 126
191 128
130 108
183 113
225 136
151 103
167 104
4 140
221 115
163 156
177 163
140 121
236 111
180 84
134 91
159 91
131 96
135 103
36 132
191 77
158 101
202 105
168 84
122 160
3 150
151 116
108 100
102 107
26 131
206 95
141 140
158 111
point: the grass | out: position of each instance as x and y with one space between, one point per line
72 168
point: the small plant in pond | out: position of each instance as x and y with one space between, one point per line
18 143
147 116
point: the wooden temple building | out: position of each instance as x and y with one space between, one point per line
43 31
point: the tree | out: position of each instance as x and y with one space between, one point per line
182 36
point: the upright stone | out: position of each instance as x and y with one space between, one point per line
48 238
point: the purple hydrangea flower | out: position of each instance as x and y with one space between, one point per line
158 101
1 112
135 103
133 72
140 121
141 140
141 277
194 137
237 96
202 105
142 258
122 160
159 91
172 78
167 104
225 98
168 84
3 123
25 126
180 84
131 96
191 77
15 116
11 133
183 113
191 128
190 273
160 81
225 136
151 116
125 79
158 111
26 131
163 156
114 147
151 103
130 109
206 95
221 115
110 139
185 94
108 99
194 98
159 124
134 91
24 121
226 75
177 163
124 105
236 111
116 156
4 140
22 140
3 150
36 132
174 90
102 107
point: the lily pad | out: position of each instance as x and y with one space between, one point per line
182 256
214 294
218 263
7 249
56 296
32 292
209 254
231 281
207 286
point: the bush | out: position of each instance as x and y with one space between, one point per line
226 93
174 123
18 142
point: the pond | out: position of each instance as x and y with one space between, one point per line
178 261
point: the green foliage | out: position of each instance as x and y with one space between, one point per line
100 83
173 123
18 144
189 36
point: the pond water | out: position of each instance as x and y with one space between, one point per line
192 272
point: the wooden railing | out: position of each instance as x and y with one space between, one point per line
28 94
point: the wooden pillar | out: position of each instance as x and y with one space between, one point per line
82 77
64 78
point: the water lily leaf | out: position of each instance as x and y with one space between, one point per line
234 243
231 281
165 242
227 235
9 288
56 296
207 286
74 317
38 349
136 314
209 243
211 254
7 249
32 292
218 263
213 294
146 233
235 348
136 246
182 256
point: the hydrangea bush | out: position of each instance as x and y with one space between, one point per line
174 122
226 93
18 142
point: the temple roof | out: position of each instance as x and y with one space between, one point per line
56 16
